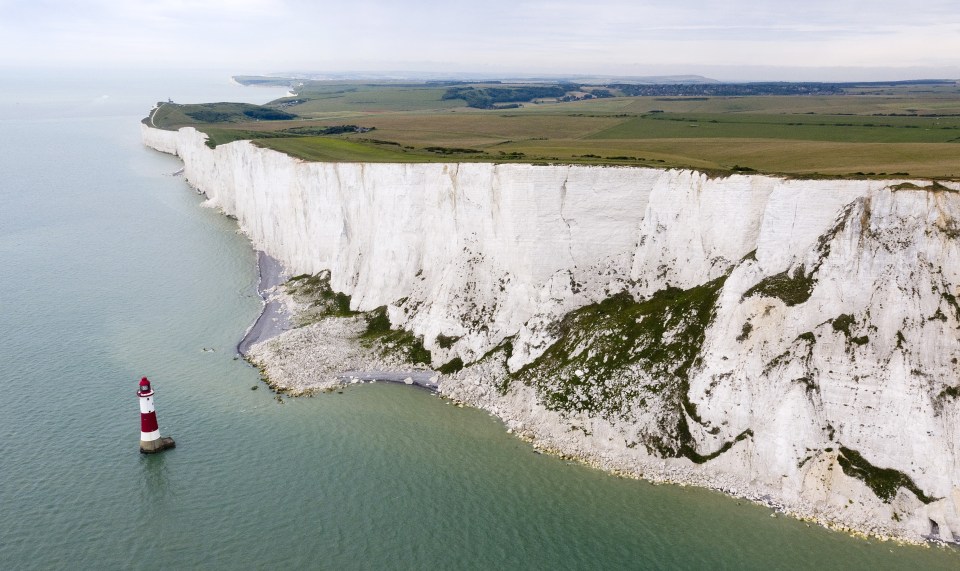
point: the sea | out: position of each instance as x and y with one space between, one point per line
111 269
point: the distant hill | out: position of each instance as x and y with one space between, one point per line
287 79
664 79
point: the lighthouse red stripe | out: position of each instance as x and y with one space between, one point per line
148 421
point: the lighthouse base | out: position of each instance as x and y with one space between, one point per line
158 445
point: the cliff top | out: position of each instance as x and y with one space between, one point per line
882 130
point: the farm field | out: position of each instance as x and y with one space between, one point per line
859 131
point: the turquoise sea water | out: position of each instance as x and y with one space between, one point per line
110 270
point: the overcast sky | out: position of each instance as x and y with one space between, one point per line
729 39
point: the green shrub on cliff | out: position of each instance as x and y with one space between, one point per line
620 354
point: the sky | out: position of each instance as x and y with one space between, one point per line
734 40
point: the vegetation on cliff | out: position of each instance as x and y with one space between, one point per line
622 357
885 482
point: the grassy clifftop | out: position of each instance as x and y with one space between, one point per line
833 130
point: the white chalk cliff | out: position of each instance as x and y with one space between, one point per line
797 339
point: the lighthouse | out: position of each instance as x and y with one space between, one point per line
150 439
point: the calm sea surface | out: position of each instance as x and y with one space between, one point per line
110 270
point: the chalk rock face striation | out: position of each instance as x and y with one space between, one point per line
792 340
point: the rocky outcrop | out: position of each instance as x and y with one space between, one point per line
792 339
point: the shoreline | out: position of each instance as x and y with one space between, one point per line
274 318
423 379
561 446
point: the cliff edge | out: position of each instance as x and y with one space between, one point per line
787 340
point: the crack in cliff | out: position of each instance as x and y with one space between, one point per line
563 203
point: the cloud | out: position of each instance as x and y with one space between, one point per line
579 36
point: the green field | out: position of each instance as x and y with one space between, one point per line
340 150
787 127
860 131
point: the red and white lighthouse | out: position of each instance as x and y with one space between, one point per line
150 439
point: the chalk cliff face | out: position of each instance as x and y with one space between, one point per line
791 338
